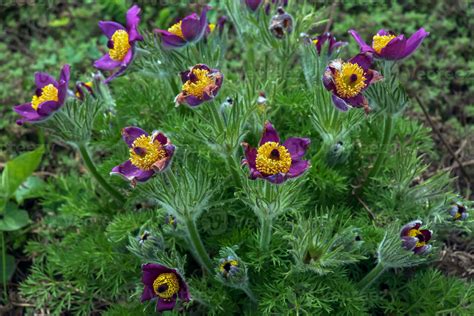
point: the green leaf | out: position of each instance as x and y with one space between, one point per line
9 268
31 188
17 171
13 218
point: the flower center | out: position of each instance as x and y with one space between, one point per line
176 29
212 26
350 80
315 41
273 158
196 87
421 238
48 93
166 285
228 264
119 45
145 152
380 41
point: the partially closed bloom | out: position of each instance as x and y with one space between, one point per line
82 88
48 98
414 238
281 24
387 45
190 29
165 284
148 154
459 212
228 266
275 161
330 39
121 43
200 84
347 80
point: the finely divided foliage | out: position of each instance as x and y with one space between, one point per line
215 212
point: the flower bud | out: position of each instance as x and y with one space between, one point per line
281 24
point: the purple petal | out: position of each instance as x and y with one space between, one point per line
253 4
364 60
276 178
151 271
147 294
48 107
43 79
414 41
65 74
453 211
133 19
162 305
464 216
171 40
192 100
362 44
409 243
110 27
106 63
297 168
131 173
269 134
27 112
422 250
194 28
183 293
411 225
383 32
340 104
62 92
357 101
160 137
297 146
250 156
129 134
426 234
394 49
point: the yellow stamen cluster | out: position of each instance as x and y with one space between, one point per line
228 263
197 87
212 26
166 285
152 151
176 29
414 233
380 41
458 215
268 163
48 93
121 45
350 80
315 41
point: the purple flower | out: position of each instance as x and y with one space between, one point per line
200 83
414 238
387 45
320 40
48 98
253 4
281 24
190 29
459 212
347 81
148 154
82 87
228 266
165 284
121 43
274 161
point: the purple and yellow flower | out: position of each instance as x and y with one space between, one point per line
414 238
228 266
347 80
200 84
275 161
387 45
281 24
121 43
48 98
165 284
333 45
459 212
190 29
149 154
82 87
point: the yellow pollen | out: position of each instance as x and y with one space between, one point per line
315 41
458 215
166 285
151 152
176 29
197 87
212 26
88 84
233 263
273 158
350 80
415 233
121 45
48 93
380 41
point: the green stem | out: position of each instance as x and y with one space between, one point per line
217 118
4 269
93 170
265 233
370 278
232 166
249 293
198 247
387 135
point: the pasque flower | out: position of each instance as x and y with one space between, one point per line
200 83
48 98
321 40
459 212
281 24
121 43
228 266
190 29
414 238
275 161
82 87
387 45
148 154
164 284
348 79
253 4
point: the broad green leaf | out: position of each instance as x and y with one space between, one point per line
9 268
13 218
31 188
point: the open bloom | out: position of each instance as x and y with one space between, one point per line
459 212
324 38
190 29
165 284
347 80
387 45
148 154
121 43
200 83
275 161
48 98
414 238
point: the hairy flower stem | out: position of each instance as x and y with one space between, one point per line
197 246
370 278
93 170
383 150
233 169
265 233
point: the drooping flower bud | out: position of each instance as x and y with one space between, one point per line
281 24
